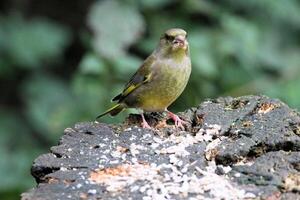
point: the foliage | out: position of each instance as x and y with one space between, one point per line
237 48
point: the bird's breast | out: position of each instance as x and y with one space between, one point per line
168 82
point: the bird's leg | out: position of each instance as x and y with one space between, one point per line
145 123
178 122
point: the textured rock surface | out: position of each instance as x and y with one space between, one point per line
232 148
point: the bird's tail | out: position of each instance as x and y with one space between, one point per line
113 110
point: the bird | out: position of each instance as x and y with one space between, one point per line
160 80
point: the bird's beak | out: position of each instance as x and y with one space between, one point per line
179 40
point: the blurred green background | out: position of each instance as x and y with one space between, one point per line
62 61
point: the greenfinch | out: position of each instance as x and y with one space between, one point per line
160 79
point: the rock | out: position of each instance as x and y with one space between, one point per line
232 148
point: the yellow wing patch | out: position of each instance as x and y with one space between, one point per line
132 87
129 90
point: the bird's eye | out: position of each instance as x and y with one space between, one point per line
169 37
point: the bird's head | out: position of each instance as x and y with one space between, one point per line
174 41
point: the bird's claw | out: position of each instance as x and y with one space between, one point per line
177 121
145 123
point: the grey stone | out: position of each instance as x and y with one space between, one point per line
233 148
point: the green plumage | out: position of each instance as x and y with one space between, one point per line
161 78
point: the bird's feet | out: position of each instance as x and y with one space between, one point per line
145 123
178 122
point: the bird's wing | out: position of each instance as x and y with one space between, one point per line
142 76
